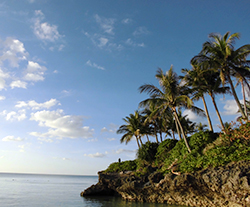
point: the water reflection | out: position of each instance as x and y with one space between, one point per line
106 201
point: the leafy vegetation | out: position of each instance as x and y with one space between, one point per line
214 71
129 165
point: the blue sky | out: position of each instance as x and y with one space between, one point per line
70 71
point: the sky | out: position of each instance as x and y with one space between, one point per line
70 72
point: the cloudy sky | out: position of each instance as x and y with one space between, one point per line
70 71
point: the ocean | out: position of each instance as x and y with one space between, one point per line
34 190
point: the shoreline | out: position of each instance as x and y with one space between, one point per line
223 186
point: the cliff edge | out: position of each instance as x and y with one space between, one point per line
226 186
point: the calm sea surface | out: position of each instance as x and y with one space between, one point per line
30 190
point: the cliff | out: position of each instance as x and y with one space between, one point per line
226 186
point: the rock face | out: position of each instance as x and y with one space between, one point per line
227 186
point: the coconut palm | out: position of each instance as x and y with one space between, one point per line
133 128
219 54
194 78
170 95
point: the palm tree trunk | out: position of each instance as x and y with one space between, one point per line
137 142
156 135
161 136
244 99
208 117
183 134
147 138
217 111
177 128
236 97
139 137
173 134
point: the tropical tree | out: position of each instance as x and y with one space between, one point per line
171 95
219 53
194 78
133 128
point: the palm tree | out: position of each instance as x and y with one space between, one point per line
133 128
219 54
170 95
195 79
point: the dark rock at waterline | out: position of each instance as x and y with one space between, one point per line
227 186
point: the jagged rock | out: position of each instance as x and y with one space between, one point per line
227 186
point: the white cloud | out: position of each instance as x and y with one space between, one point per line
12 116
119 151
36 106
230 107
134 44
43 30
194 117
140 31
18 84
94 65
102 42
45 140
112 128
2 98
34 72
13 51
61 126
111 139
12 138
107 24
127 21
95 155
93 140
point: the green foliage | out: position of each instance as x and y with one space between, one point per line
147 152
187 162
129 165
163 150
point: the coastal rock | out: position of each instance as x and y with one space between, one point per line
227 186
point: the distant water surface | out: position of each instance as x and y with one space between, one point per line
33 190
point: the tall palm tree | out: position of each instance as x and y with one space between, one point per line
170 95
219 54
194 78
133 128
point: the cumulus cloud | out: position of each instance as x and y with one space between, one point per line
112 128
230 107
106 24
43 30
2 98
13 115
13 52
34 72
18 84
94 65
60 125
194 117
36 106
43 139
95 155
12 138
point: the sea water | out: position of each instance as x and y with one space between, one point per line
33 190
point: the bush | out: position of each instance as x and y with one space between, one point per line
164 149
129 165
147 152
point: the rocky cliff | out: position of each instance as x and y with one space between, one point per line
227 186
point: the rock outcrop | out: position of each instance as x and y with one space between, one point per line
227 186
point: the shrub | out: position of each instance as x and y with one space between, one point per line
147 152
164 149
129 165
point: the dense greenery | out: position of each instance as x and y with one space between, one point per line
215 70
208 150
129 165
